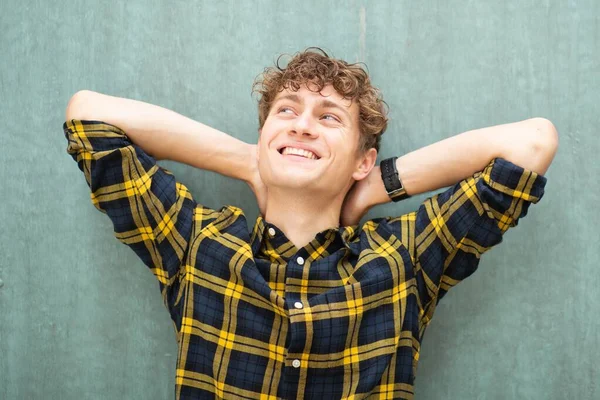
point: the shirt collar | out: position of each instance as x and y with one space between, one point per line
268 241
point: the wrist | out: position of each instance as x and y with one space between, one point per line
377 188
391 180
250 173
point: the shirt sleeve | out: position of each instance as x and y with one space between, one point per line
151 212
450 231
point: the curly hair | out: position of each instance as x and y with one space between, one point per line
351 81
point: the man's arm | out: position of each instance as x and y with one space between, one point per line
165 134
530 144
495 174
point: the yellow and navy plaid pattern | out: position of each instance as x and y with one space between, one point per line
258 318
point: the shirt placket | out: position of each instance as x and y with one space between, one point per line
296 357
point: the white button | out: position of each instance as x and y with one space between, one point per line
271 231
300 260
298 304
296 363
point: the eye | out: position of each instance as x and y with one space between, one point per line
285 109
333 117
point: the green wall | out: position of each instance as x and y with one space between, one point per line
82 318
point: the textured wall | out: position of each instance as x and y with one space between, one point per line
82 318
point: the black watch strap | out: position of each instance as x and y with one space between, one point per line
391 180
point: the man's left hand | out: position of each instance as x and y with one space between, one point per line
361 198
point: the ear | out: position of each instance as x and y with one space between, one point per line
366 164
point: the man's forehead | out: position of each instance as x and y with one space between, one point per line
327 96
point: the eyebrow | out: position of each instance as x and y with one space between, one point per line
323 103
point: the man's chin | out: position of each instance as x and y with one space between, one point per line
294 182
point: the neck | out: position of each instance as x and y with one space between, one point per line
300 215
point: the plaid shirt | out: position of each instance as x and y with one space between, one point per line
258 318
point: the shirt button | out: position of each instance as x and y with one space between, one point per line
300 260
271 231
296 363
298 304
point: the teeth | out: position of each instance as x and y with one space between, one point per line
299 152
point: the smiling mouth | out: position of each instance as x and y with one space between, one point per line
292 151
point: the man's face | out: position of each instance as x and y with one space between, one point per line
310 140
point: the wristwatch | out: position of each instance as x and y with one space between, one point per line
391 180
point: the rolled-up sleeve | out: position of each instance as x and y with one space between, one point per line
450 231
151 212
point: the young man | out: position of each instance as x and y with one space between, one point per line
307 304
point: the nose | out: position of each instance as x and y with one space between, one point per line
304 125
